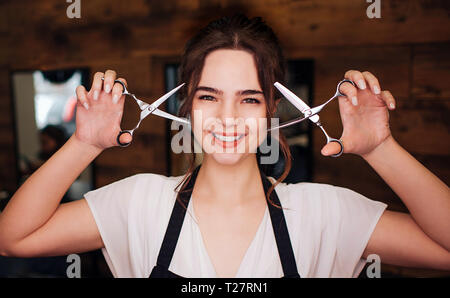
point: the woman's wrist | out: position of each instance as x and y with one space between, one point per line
384 149
88 149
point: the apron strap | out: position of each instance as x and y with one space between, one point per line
175 223
280 230
282 238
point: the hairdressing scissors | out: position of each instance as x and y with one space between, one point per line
147 109
311 114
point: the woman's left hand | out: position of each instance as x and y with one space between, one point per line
364 114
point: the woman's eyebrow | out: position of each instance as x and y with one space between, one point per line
220 92
249 92
209 89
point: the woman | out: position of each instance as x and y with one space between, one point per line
233 226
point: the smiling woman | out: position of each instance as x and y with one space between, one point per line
239 223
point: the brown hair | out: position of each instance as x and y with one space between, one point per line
240 33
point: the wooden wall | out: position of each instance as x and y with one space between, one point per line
407 49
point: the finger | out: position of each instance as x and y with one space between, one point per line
110 76
388 99
357 77
350 92
116 92
97 85
125 138
82 96
372 81
123 81
330 149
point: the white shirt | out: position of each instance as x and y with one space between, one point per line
329 228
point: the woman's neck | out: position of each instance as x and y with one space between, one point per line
229 185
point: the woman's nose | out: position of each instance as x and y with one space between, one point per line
228 113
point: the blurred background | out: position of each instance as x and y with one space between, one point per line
49 47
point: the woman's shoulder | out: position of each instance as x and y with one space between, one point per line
307 188
321 194
138 186
148 179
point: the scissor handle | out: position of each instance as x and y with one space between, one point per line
338 91
125 90
340 144
130 132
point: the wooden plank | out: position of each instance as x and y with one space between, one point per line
431 71
145 151
137 72
321 23
389 64
354 173
8 171
422 127
152 27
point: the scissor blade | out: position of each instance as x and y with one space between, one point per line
289 123
165 96
296 101
169 116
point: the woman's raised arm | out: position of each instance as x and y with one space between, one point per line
423 237
34 223
425 195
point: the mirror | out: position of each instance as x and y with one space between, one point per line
45 109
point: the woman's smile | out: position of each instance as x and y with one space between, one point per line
228 140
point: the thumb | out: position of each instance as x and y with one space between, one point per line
330 149
125 138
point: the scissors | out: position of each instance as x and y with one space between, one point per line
311 114
147 109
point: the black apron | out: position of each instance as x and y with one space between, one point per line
161 270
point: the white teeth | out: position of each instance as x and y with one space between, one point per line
227 138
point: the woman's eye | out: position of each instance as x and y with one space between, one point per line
207 97
251 100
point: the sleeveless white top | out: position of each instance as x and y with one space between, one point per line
329 228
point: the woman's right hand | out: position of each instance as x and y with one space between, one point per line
99 112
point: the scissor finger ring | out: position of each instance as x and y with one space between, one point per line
130 132
340 144
338 91
125 91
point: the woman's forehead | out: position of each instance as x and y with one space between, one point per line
230 71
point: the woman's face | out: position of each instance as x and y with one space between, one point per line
229 109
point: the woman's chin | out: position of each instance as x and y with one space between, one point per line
227 158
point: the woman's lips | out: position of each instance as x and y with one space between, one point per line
227 140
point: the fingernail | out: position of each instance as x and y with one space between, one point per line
95 95
361 84
85 105
115 98
107 88
354 101
392 105
376 90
